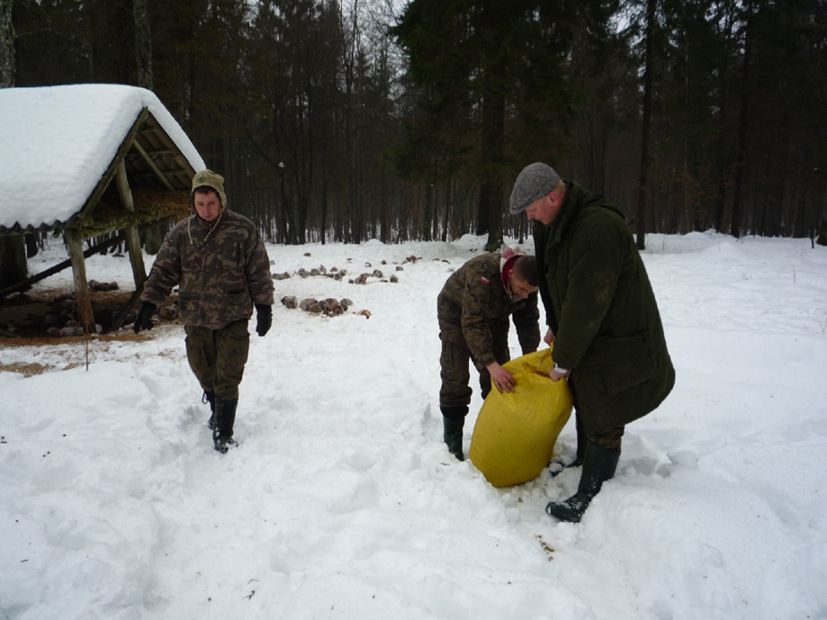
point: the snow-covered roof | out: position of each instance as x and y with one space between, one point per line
57 143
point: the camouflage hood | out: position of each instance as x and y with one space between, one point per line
213 180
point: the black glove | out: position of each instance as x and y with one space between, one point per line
144 318
264 318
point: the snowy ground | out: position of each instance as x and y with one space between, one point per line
342 502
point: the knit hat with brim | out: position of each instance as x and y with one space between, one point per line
534 181
208 178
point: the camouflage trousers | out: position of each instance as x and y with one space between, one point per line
218 356
455 357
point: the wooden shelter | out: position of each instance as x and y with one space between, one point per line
147 180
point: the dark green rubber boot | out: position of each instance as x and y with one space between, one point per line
453 419
599 465
222 434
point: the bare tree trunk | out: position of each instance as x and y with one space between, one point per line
427 211
323 215
143 44
491 189
6 45
822 223
651 8
354 224
446 216
738 197
12 247
12 260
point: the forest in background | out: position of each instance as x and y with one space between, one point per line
373 119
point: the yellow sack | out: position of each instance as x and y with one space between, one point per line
515 432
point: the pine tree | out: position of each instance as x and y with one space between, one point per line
493 89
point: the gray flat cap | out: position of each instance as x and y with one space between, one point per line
535 181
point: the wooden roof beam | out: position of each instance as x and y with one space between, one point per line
152 165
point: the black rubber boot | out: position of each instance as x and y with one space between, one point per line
581 442
453 419
209 397
581 449
222 434
599 465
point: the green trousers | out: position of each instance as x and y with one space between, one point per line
217 357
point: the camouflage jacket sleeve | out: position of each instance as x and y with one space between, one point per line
479 296
257 269
166 270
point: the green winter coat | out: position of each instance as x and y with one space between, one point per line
603 312
474 299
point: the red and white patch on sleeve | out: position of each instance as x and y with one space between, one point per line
484 280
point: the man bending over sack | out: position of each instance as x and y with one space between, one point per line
473 310
602 316
217 259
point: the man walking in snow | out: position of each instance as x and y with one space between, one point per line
218 260
473 309
602 317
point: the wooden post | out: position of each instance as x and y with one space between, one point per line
133 239
74 241
59 267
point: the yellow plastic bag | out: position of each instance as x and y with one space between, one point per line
515 432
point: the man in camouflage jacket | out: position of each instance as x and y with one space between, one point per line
602 316
473 309
220 265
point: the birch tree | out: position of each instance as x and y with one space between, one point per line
12 247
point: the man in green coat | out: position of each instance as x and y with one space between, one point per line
602 317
